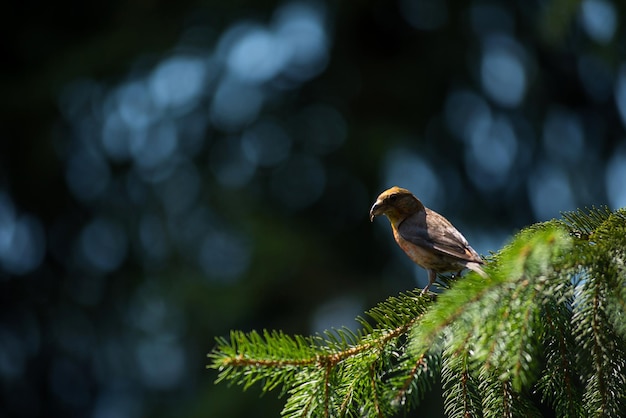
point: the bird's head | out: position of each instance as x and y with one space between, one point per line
396 203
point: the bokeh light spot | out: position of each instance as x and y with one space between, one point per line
502 71
135 104
265 144
188 232
117 402
152 312
153 238
491 153
301 27
104 245
22 241
465 112
87 174
596 76
161 363
12 355
179 191
235 105
563 135
224 256
599 19
79 99
550 192
154 146
336 313
616 179
178 82
405 169
116 137
257 56
495 147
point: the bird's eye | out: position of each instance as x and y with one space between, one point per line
393 198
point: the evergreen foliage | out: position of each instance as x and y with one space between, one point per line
548 323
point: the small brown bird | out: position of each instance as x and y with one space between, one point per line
428 238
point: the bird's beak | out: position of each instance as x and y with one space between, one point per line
377 209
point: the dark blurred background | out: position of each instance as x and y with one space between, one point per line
173 170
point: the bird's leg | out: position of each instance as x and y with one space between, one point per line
432 276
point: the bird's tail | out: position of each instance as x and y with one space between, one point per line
477 268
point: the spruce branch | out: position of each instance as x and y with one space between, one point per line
335 371
461 388
598 299
549 319
499 316
583 223
559 383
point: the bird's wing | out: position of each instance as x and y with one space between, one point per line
430 230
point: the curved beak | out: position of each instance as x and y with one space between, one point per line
377 209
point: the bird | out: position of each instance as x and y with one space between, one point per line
429 239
